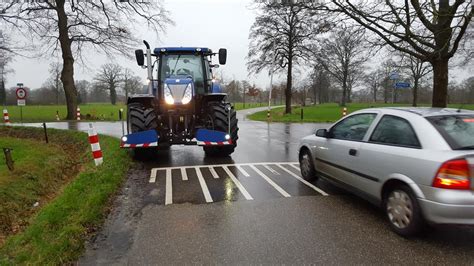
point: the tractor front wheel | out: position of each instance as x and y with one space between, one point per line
218 119
140 119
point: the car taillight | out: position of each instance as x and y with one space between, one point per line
453 175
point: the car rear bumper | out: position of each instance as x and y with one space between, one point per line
441 213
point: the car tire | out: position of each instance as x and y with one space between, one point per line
403 211
308 171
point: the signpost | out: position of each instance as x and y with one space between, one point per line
399 85
21 99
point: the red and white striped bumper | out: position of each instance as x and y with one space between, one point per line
144 145
209 143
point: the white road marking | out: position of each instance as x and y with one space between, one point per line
271 170
184 175
213 172
221 165
277 187
237 183
169 188
153 175
242 171
204 188
294 166
304 181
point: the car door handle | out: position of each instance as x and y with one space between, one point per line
353 152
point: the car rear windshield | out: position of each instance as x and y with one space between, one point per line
457 130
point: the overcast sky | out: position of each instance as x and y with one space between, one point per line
204 23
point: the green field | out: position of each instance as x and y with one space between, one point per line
47 113
97 111
55 231
324 113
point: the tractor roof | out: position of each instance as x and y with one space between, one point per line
202 50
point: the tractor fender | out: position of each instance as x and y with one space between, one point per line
144 99
215 97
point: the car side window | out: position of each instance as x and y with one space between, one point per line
393 130
353 128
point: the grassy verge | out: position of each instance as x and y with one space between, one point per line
324 113
96 111
56 233
47 113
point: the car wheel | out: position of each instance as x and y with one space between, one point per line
306 166
403 211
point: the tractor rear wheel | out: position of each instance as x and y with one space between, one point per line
218 119
140 119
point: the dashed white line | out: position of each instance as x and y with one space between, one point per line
202 182
237 183
242 170
213 172
184 175
153 175
169 188
271 170
277 187
320 191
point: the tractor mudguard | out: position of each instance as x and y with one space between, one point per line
143 139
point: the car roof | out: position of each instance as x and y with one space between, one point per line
426 111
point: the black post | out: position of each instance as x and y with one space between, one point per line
301 113
45 133
121 120
8 158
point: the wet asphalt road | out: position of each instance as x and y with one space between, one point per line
251 208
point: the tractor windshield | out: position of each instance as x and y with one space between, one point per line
184 65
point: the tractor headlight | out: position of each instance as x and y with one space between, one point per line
168 96
188 94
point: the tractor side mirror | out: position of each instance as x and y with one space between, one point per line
140 57
222 56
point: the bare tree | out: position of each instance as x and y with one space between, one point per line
321 84
74 25
282 33
55 79
83 88
5 59
342 55
431 31
109 78
417 69
131 82
374 79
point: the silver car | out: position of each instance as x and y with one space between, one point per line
416 163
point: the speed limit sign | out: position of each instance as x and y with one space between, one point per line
20 93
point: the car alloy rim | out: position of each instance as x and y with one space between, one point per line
400 209
305 164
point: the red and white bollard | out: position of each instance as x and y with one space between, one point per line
6 117
78 114
95 146
344 111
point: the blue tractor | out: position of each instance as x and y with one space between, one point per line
184 104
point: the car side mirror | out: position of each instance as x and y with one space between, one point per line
222 56
322 133
140 57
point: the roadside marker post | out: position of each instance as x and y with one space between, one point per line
57 116
6 117
78 114
121 121
45 133
95 146
344 111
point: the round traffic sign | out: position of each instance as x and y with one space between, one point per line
20 93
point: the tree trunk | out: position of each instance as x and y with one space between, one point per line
440 82
67 73
375 92
415 92
289 82
113 95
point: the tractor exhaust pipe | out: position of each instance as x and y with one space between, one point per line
149 67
